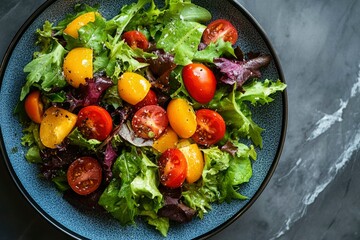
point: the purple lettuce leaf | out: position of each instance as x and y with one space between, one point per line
109 158
160 70
235 71
173 208
85 203
90 93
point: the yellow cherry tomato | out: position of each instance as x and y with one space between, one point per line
183 143
167 140
78 65
34 106
56 124
133 87
73 27
182 117
195 162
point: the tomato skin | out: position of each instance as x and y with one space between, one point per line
210 127
94 122
73 27
195 162
78 65
56 124
182 117
220 28
133 87
136 39
199 81
34 108
84 175
150 99
172 168
150 121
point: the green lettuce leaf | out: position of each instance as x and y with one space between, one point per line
31 138
126 15
214 50
160 223
236 115
257 92
122 58
45 70
221 178
133 190
187 11
182 39
76 138
92 35
79 9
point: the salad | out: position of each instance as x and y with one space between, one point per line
144 115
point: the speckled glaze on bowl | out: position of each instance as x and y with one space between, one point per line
43 196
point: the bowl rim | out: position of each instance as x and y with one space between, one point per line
217 229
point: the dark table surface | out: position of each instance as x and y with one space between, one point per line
314 193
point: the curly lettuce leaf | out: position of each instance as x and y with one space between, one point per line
214 51
260 92
153 19
92 35
121 58
126 15
133 187
221 178
31 138
236 115
45 70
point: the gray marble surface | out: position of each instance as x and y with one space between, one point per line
314 193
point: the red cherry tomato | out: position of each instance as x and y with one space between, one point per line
136 39
94 122
84 175
210 127
220 28
172 168
150 122
199 81
150 99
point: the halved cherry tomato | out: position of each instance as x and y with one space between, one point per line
34 108
150 122
172 168
182 117
84 175
133 87
136 39
210 127
220 28
167 140
199 81
195 162
73 27
56 124
150 99
94 122
78 65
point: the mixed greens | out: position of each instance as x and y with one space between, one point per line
130 185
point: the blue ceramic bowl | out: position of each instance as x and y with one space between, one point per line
43 196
